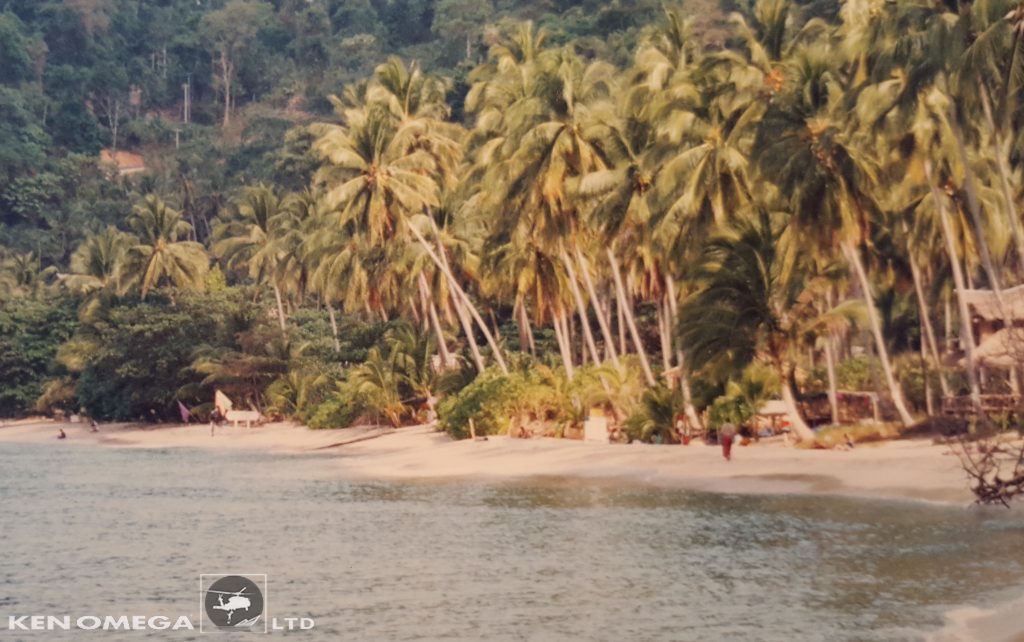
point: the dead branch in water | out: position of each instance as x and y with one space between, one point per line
995 467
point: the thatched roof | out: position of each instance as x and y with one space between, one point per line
985 305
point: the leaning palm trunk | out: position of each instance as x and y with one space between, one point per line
800 428
684 379
334 326
602 320
435 322
280 307
526 342
958 281
467 328
581 308
627 311
833 388
661 313
459 295
561 335
876 329
926 323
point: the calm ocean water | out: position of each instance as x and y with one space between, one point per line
90 530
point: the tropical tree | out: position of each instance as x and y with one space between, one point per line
254 239
159 254
96 264
828 177
751 306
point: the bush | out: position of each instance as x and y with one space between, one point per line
496 402
340 410
654 418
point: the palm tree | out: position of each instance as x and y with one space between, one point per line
254 239
828 178
96 263
750 306
159 254
23 274
379 180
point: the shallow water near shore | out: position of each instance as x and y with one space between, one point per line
96 530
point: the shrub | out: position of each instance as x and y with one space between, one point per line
654 418
495 402
340 410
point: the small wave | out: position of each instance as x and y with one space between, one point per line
1001 623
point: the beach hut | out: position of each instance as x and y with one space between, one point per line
997 326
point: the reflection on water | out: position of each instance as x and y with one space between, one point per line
91 530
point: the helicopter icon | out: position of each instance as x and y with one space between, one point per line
236 602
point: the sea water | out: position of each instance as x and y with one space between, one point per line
93 530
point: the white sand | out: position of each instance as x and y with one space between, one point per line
914 469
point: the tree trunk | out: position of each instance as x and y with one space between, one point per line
620 291
226 73
926 324
800 428
526 342
929 402
458 294
581 308
684 377
334 326
454 284
467 329
563 342
620 319
661 313
958 280
833 386
280 307
428 300
948 349
895 391
602 320
974 209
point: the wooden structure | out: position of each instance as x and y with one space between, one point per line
249 417
961 406
997 326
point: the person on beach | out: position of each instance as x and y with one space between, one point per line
726 436
61 434
215 419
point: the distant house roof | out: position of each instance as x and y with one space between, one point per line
987 307
127 162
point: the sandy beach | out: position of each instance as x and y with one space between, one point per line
907 469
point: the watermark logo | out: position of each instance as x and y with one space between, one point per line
233 602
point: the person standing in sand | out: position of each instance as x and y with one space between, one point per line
726 435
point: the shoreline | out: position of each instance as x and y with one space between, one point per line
902 470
